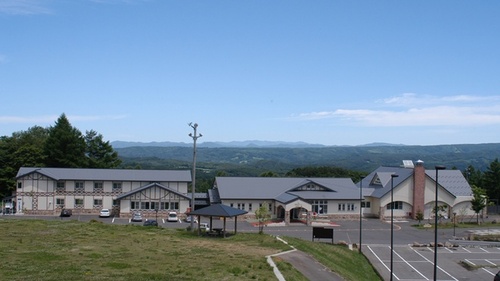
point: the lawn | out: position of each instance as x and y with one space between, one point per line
73 250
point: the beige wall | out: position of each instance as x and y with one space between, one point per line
42 191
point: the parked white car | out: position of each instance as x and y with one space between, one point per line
172 217
105 213
188 219
204 226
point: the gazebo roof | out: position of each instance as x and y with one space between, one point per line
218 210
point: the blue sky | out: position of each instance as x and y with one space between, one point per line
326 72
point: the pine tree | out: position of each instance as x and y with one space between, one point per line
100 153
491 180
65 146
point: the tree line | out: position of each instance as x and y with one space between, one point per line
488 180
61 146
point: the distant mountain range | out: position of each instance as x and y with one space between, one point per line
248 143
295 154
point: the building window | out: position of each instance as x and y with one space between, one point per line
154 205
97 202
60 202
174 205
320 206
134 205
116 203
365 204
79 187
145 205
78 203
60 186
341 207
231 205
249 206
98 187
19 185
396 205
117 187
164 206
350 207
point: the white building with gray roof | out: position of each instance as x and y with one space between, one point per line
49 190
291 199
414 191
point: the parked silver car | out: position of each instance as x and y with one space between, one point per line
137 217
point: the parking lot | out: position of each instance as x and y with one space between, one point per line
417 263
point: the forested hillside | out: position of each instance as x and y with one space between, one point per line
354 158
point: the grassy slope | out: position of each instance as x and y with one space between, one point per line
349 264
72 250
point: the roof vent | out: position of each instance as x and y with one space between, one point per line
408 164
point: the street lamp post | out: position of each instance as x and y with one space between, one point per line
195 136
392 219
360 213
454 223
436 221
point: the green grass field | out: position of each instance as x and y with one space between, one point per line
73 250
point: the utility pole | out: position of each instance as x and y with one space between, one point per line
195 136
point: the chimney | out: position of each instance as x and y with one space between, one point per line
418 188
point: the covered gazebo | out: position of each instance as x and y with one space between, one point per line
218 210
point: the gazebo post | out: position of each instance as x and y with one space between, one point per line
199 229
235 224
224 233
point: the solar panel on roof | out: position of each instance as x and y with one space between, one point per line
408 164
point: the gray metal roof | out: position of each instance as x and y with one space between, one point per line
451 180
109 174
144 187
268 188
218 210
286 197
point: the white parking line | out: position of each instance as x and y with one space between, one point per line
411 266
492 263
470 262
436 266
492 274
378 258
448 250
466 250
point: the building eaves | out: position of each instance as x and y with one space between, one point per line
147 186
109 174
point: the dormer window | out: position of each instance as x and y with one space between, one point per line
310 187
376 180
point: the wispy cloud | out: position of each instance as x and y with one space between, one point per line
24 7
49 119
34 7
411 99
460 110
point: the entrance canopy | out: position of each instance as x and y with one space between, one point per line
218 210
